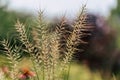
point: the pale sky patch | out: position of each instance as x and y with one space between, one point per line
58 7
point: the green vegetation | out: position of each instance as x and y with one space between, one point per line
114 21
43 49
43 60
8 18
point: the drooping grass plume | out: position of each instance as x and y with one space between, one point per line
71 38
45 48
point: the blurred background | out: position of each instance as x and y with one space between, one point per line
102 53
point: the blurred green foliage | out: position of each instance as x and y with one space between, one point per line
8 19
114 21
116 11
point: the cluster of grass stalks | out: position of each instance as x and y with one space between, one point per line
43 50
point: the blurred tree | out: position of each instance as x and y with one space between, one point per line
117 10
114 21
8 18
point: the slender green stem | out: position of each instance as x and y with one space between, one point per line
43 72
35 70
53 71
68 72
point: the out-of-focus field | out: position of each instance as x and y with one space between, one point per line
77 71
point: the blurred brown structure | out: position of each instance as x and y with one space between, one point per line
100 53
